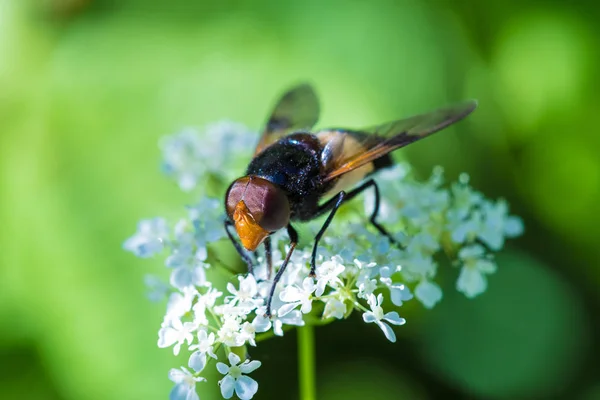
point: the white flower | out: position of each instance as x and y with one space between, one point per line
149 238
209 298
295 296
248 332
260 322
366 287
207 219
263 324
204 347
182 154
180 303
471 280
424 243
204 302
224 141
428 293
376 315
174 332
190 155
245 296
418 266
186 259
464 198
364 265
200 317
294 317
399 294
228 310
229 333
185 384
244 386
327 274
334 308
497 224
464 230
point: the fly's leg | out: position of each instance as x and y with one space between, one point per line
245 256
338 200
269 257
334 203
293 242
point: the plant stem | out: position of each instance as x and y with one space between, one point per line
306 362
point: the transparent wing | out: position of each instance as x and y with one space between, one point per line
297 109
349 150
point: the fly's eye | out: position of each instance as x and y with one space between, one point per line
234 194
276 210
267 203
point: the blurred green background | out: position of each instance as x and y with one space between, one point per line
87 87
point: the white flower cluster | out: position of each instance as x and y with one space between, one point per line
357 268
190 155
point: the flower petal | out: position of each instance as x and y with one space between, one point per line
278 327
261 324
234 359
231 289
387 331
245 387
166 337
486 266
306 306
222 368
198 276
248 367
290 293
181 277
372 300
428 293
197 361
471 282
513 226
393 318
191 394
369 317
321 283
308 284
227 385
176 375
400 294
286 308
293 318
179 392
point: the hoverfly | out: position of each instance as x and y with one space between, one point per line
294 169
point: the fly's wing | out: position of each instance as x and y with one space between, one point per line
349 150
297 109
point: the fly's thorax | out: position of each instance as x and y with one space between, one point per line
293 164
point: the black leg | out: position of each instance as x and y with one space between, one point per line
245 256
352 194
380 228
269 257
333 204
293 242
341 196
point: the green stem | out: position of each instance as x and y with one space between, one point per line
306 362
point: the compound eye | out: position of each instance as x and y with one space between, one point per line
268 204
234 194
276 210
